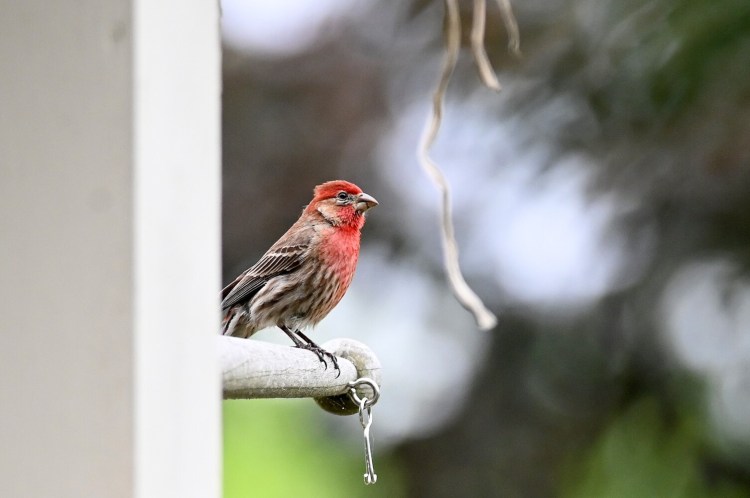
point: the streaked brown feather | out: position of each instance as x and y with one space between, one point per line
277 261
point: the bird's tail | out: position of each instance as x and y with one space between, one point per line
232 323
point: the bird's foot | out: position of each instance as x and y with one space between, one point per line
301 341
322 354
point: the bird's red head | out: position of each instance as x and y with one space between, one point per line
341 203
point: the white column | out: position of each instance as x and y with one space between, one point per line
109 248
178 185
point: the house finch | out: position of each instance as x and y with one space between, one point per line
300 279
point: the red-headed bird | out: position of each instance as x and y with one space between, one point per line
304 275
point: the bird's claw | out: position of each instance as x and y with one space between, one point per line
321 354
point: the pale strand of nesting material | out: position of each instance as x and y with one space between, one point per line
464 294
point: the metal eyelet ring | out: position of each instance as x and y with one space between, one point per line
364 381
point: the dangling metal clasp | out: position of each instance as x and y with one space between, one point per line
365 418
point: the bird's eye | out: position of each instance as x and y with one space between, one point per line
342 196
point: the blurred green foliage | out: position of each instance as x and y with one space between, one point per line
276 448
704 40
645 452
665 57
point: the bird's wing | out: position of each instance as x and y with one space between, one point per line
277 261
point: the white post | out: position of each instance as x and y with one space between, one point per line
109 248
177 247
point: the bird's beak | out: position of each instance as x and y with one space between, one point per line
365 202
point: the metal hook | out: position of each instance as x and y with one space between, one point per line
365 418
367 382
